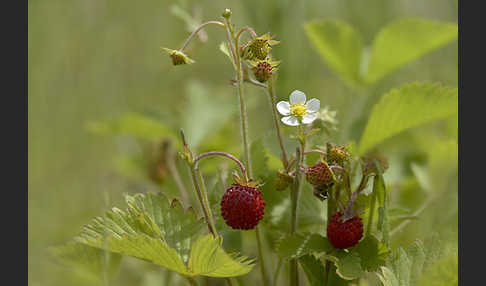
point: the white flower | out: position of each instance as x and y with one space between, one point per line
297 110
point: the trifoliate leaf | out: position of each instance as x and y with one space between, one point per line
405 40
407 107
89 260
339 45
161 232
209 259
297 245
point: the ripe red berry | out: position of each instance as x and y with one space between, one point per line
344 234
319 175
242 207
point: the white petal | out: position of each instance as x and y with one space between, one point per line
313 105
290 120
297 96
283 107
309 117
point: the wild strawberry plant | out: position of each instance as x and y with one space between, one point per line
323 207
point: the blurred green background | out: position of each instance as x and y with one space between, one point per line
92 60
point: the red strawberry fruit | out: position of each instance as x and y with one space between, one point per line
319 175
242 207
344 234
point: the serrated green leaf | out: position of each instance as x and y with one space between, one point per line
407 107
314 269
209 259
387 277
297 245
133 124
89 260
416 253
373 253
162 233
339 45
405 40
349 265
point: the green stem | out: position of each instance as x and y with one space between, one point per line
273 102
331 206
372 214
206 210
204 194
260 256
295 193
277 272
233 42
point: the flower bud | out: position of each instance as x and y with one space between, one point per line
178 57
227 13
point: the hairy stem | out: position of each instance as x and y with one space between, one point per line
273 102
295 193
249 29
244 126
199 28
372 213
204 194
227 155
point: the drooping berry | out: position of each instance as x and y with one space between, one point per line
344 234
319 175
178 57
242 207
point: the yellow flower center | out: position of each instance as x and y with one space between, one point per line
298 109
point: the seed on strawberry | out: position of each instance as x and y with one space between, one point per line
319 175
344 234
242 207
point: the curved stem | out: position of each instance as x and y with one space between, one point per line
249 29
199 28
224 154
315 151
273 99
